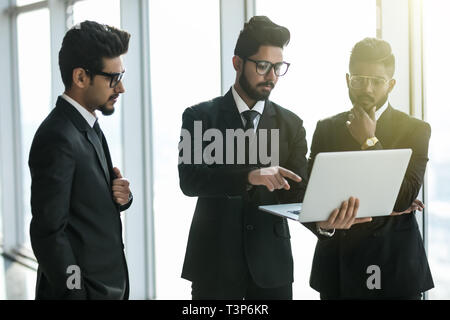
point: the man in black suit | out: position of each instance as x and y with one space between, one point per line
76 194
384 258
234 250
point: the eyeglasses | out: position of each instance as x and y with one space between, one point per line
115 77
359 82
263 67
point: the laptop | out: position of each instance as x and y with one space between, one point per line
374 177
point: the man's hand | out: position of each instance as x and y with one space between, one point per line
345 217
362 125
416 205
273 178
120 188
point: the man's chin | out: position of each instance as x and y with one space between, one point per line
107 110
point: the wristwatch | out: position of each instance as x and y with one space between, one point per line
327 233
369 143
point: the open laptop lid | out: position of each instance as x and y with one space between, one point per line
374 177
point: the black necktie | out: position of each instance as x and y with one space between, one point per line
249 116
98 131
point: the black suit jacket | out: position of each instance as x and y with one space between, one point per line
393 243
75 219
229 235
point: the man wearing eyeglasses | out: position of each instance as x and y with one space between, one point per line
384 258
234 250
76 194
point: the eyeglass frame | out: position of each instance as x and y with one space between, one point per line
272 66
109 75
366 77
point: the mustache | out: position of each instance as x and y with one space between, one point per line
114 96
267 83
371 99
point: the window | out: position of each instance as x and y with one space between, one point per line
1 216
323 33
185 70
437 66
25 2
34 93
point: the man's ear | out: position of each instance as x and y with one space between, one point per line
347 78
80 78
392 83
238 63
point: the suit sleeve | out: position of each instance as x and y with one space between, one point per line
418 140
52 168
297 163
202 180
413 180
317 145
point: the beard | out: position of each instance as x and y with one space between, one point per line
367 102
253 93
105 110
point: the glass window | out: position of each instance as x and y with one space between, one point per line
33 30
1 216
25 2
323 33
101 11
185 70
437 67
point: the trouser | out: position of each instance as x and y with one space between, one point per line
247 290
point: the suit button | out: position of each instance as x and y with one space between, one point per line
250 227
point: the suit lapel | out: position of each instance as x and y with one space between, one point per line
384 128
229 113
268 121
95 142
82 125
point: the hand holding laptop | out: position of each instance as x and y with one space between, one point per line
344 217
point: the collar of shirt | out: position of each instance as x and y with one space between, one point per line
242 106
89 117
380 111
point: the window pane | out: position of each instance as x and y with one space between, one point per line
437 66
323 33
101 11
33 30
185 70
25 2
1 216
107 12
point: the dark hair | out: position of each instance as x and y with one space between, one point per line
85 46
373 50
260 31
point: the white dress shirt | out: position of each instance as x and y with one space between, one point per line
242 106
89 117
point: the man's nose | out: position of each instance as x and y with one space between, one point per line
270 75
368 86
119 88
